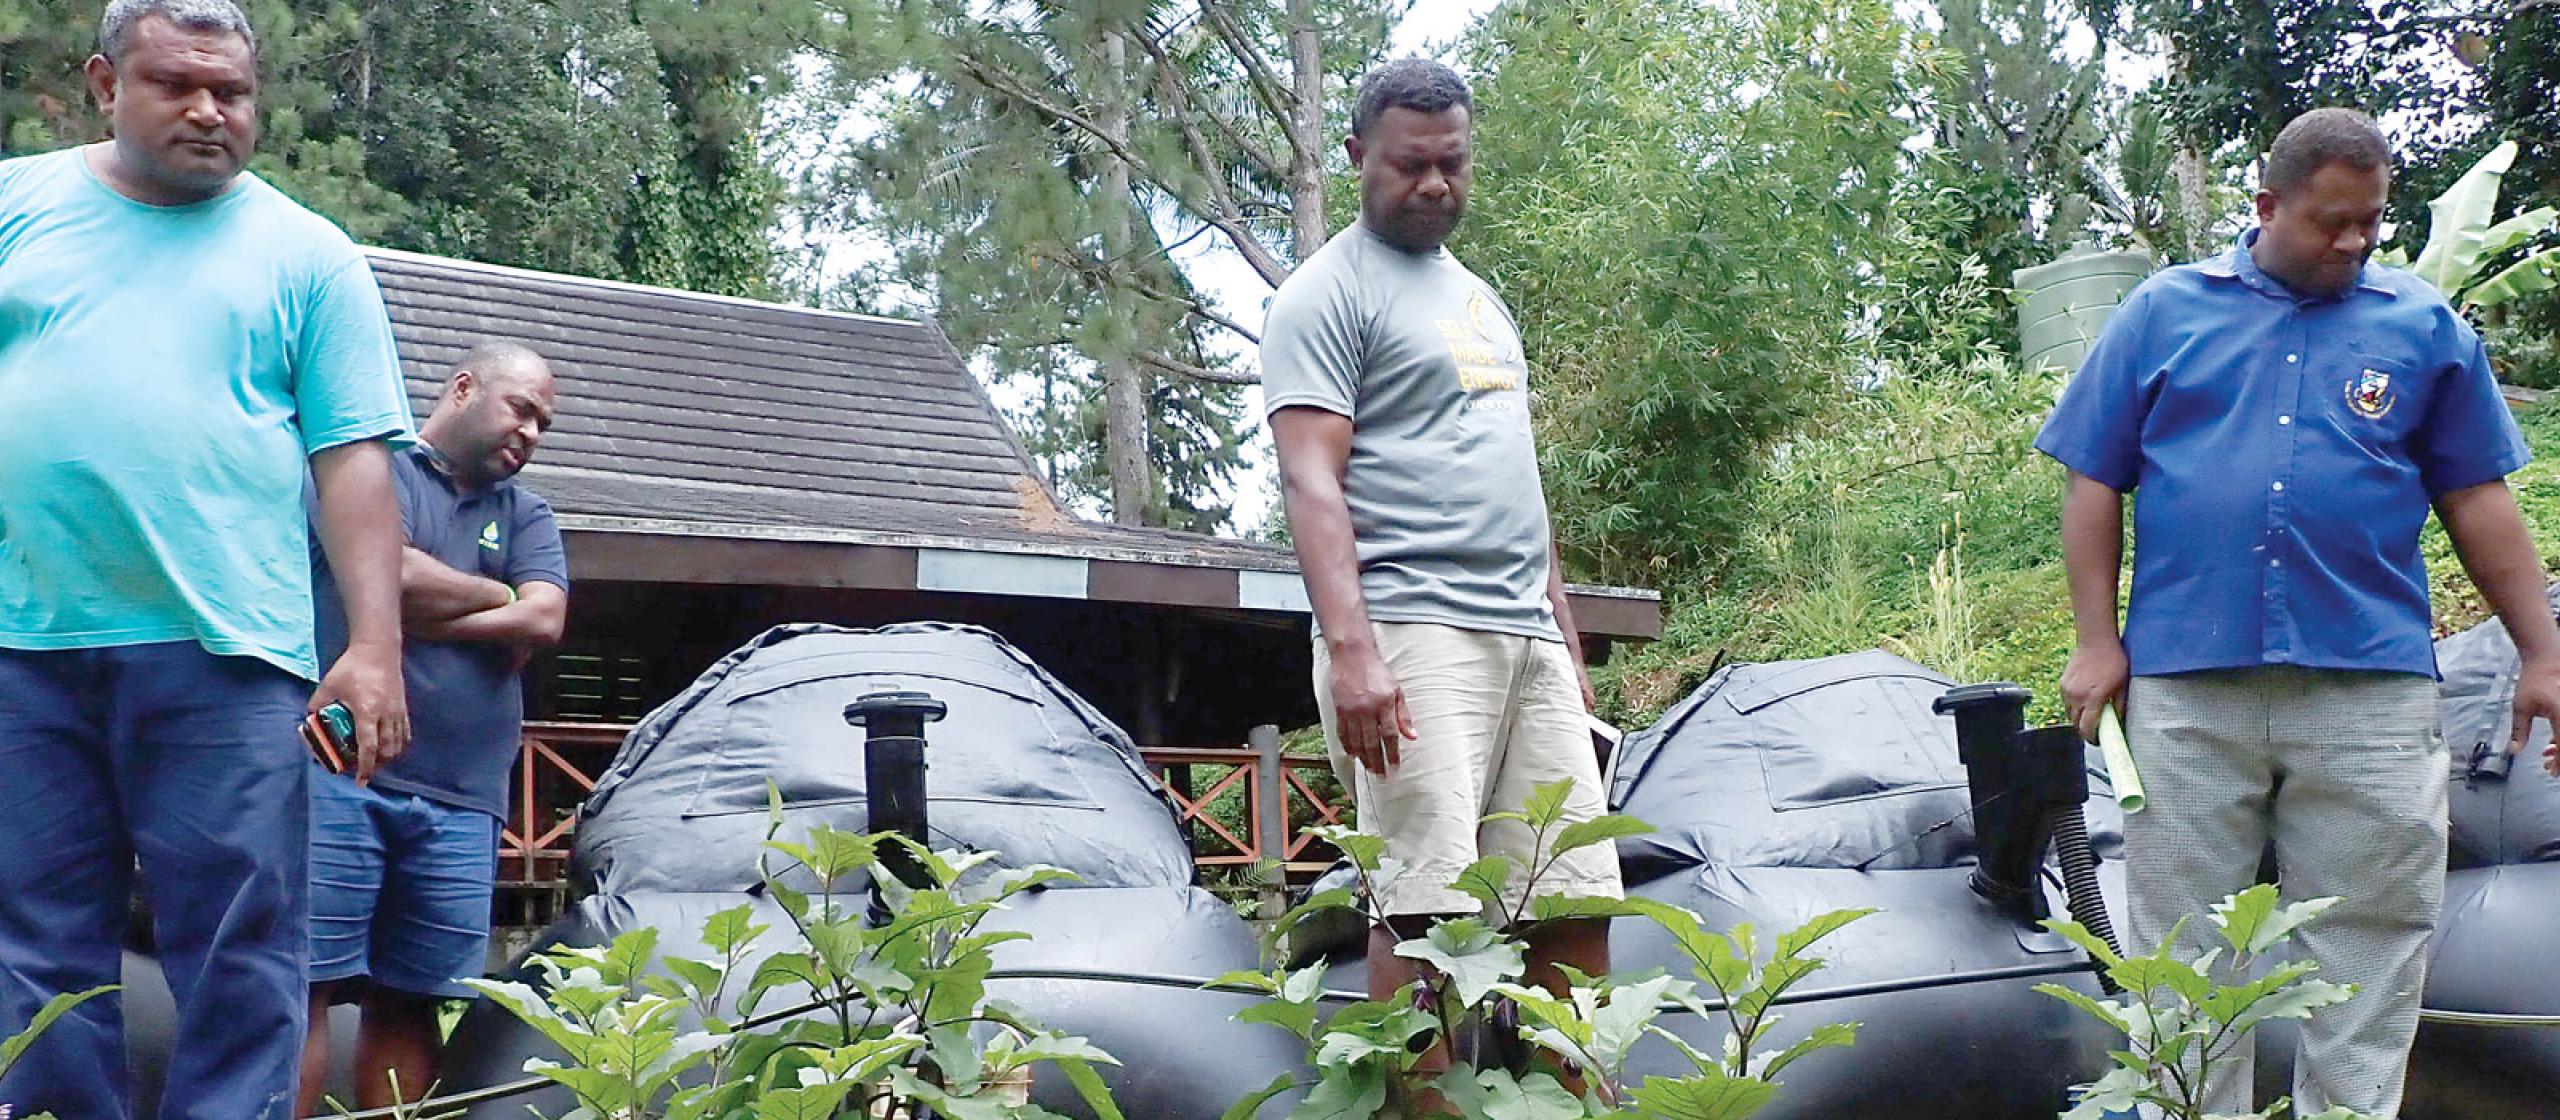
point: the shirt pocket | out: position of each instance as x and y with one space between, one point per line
2375 401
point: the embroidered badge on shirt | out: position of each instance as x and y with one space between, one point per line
489 536
2370 394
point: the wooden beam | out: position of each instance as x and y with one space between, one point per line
635 558
1174 585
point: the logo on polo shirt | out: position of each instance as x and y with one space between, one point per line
489 536
2369 394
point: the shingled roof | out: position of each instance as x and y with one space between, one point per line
693 416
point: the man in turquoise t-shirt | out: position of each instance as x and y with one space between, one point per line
177 340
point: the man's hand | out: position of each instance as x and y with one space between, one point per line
358 519
2538 696
2094 679
1368 709
2489 536
367 680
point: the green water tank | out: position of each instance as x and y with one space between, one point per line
2062 305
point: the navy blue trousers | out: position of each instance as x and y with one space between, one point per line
189 762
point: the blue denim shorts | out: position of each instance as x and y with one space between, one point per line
400 888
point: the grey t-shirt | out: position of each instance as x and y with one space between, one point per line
1446 510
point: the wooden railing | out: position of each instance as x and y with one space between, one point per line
1279 803
1278 797
556 769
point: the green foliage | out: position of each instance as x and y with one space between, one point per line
599 137
1367 1056
1679 198
2016 117
2463 241
1916 515
15 1046
888 1015
2183 1017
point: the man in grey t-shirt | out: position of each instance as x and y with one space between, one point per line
1446 668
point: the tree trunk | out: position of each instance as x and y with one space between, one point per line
1123 381
1306 169
2194 202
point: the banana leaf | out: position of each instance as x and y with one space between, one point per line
2460 222
2516 231
2533 275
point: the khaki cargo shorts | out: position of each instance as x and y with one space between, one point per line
1498 715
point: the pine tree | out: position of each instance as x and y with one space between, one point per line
1040 165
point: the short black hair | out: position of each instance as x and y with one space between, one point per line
497 356
115 26
2322 137
1418 84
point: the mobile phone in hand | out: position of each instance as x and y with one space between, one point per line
331 735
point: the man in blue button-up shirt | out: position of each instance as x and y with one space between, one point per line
2285 415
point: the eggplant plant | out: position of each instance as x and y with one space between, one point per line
1553 1055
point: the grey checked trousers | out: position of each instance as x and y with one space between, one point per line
2344 773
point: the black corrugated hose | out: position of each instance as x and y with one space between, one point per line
2080 882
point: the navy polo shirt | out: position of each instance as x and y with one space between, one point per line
466 699
2283 454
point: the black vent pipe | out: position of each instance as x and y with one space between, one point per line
893 765
2028 790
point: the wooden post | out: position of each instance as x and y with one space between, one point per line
1270 819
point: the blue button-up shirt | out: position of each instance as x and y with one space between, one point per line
2282 453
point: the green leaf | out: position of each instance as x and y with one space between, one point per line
1494 1094
1795 941
2256 920
1824 1037
1485 879
2148 974
1320 902
1250 1106
2116 1093
1566 907
2458 218
1295 1007
629 956
2516 231
2296 1002
2088 942
1598 830
806 1102
1370 1029
2533 275
731 930
53 1010
1545 805
1474 956
1617 1025
697 980
1361 848
1090 1087
2105 1011
1707 1096
1344 1092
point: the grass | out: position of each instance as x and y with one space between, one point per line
1918 517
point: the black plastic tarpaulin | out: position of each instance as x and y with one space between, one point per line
1021 766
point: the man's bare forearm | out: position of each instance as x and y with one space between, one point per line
1561 602
1320 528
432 592
2092 552
534 621
2489 535
359 526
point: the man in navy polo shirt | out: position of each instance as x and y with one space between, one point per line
403 867
2285 414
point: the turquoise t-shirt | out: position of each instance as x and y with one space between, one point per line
164 374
